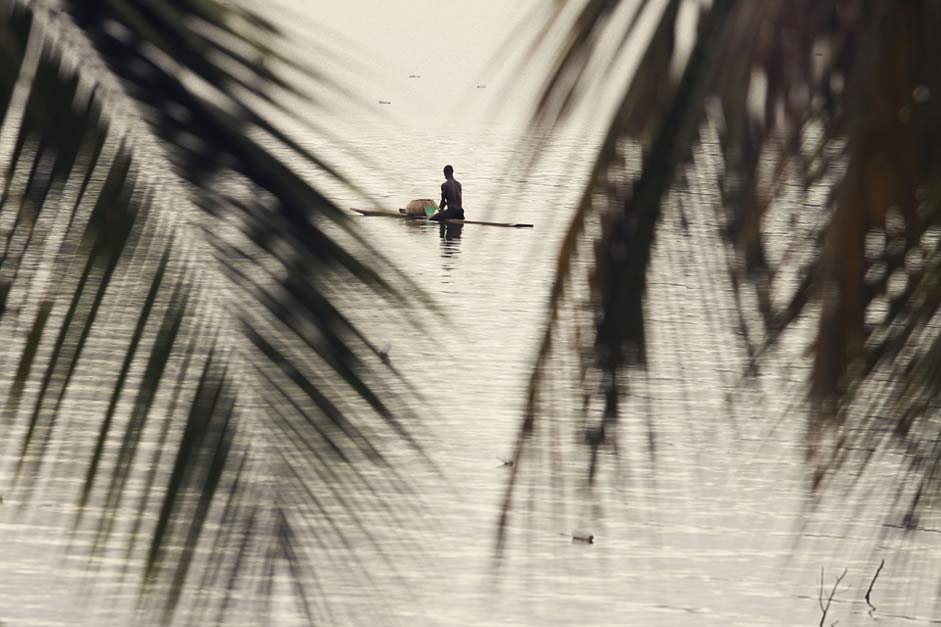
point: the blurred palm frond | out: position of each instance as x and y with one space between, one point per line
170 307
836 100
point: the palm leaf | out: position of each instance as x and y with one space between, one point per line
166 279
839 101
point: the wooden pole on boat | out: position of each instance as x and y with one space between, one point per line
400 214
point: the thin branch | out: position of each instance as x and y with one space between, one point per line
826 608
872 583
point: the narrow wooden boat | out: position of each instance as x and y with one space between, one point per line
401 214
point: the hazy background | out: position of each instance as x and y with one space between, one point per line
450 44
373 48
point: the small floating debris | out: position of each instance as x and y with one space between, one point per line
384 102
505 461
481 86
414 75
580 535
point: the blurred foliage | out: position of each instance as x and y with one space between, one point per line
837 99
170 310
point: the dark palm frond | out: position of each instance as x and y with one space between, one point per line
168 304
836 99
583 53
624 250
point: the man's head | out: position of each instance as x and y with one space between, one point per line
448 171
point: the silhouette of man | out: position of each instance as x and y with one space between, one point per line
450 197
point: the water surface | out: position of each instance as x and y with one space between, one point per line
713 530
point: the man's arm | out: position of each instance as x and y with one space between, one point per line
444 199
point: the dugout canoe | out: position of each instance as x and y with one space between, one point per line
401 214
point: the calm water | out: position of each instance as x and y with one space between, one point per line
711 533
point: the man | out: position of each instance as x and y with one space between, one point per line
450 197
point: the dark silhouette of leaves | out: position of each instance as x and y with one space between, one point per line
835 99
168 295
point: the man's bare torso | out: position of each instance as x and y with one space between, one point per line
451 194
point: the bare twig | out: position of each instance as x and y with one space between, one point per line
826 608
872 583
820 595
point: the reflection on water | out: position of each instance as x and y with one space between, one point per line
707 539
450 235
714 533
